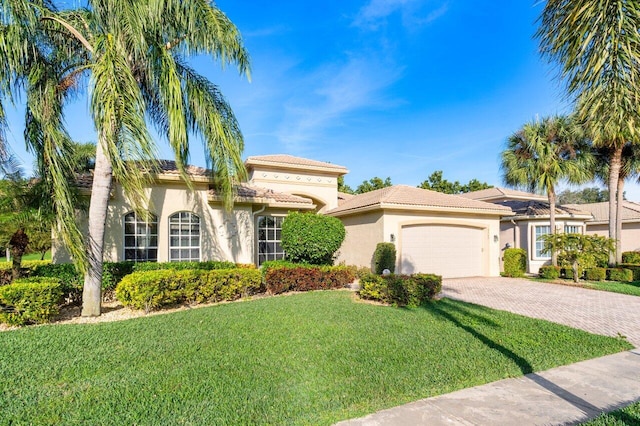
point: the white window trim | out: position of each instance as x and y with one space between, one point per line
124 238
534 251
257 234
199 247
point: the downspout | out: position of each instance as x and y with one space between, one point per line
255 240
516 243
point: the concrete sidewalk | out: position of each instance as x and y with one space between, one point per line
562 395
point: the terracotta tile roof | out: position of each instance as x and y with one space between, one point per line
540 208
255 192
84 181
290 160
343 196
600 211
169 167
408 196
493 193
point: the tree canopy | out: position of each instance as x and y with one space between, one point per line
435 182
583 196
373 184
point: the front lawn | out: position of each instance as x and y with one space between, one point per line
629 415
312 358
630 288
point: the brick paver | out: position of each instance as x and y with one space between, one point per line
598 312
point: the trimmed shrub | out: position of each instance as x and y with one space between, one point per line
620 274
311 238
401 290
550 272
30 300
149 290
181 266
71 281
515 262
631 257
595 274
27 265
358 271
384 258
306 278
568 273
635 269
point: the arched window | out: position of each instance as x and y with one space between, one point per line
184 237
140 238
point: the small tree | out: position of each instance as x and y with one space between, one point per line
579 251
384 258
311 238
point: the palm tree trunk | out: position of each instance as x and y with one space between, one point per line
615 163
552 222
100 191
619 201
18 246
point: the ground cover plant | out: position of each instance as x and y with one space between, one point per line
629 415
308 358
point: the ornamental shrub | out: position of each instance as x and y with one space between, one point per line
180 266
550 272
515 262
620 274
384 258
635 269
311 238
150 290
281 279
631 257
400 290
596 274
30 301
568 273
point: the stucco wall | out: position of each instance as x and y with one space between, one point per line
223 235
630 234
363 233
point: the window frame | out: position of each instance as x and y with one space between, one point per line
276 255
148 235
580 229
180 248
537 255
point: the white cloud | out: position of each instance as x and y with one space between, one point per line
375 13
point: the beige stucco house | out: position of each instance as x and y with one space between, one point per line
530 220
434 233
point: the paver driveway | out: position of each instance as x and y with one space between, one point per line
599 312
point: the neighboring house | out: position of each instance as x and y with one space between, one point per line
531 220
434 233
599 225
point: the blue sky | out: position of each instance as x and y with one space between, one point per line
396 88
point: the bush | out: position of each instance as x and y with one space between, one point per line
568 273
550 272
384 258
358 271
30 300
635 269
181 266
515 262
27 265
620 274
149 290
311 238
596 274
306 278
401 290
631 257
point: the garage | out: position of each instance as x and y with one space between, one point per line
447 250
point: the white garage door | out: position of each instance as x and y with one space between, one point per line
450 251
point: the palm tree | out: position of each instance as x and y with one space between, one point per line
542 154
134 56
596 46
630 167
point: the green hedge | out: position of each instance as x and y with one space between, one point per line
550 272
401 290
568 273
311 238
30 301
631 257
181 266
28 265
384 257
596 274
635 269
619 274
515 262
150 290
280 279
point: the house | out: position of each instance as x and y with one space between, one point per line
530 220
435 233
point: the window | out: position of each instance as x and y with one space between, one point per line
140 238
540 231
184 237
572 229
269 238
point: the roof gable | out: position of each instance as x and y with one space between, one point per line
285 161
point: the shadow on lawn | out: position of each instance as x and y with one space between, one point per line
458 315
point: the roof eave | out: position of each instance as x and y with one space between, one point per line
334 170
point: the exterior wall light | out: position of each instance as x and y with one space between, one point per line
496 238
392 238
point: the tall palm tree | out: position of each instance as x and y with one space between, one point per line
134 57
596 45
630 167
542 154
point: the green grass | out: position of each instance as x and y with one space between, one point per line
630 288
31 256
629 415
312 358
